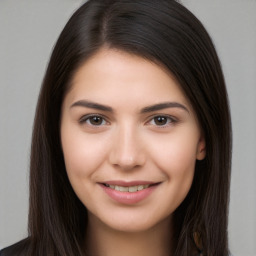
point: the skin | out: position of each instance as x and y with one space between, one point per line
129 144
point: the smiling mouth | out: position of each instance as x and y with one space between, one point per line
131 189
128 193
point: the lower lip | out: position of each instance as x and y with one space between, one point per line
128 197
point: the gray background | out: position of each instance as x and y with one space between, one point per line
28 31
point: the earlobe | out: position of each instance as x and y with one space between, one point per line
201 149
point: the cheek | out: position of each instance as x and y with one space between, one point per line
177 152
82 156
82 153
175 156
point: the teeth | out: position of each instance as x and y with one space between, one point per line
123 189
140 187
131 189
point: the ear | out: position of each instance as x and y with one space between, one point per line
201 149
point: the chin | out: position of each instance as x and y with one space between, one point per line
132 223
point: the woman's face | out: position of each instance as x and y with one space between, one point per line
130 141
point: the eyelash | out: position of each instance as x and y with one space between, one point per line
86 118
170 120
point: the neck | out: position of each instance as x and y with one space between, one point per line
104 241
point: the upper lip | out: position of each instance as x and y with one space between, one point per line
129 183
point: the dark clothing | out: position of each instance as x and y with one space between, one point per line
17 249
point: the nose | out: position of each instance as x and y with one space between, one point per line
127 152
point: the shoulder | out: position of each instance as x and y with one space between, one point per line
18 249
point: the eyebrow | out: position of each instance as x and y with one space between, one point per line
89 104
163 105
156 107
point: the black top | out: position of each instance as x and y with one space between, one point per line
17 249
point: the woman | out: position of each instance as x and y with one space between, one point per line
132 137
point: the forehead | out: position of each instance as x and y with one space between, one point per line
114 74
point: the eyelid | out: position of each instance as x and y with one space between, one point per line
172 121
84 118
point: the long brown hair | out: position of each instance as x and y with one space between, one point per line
162 31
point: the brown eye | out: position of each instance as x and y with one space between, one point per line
93 120
162 121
